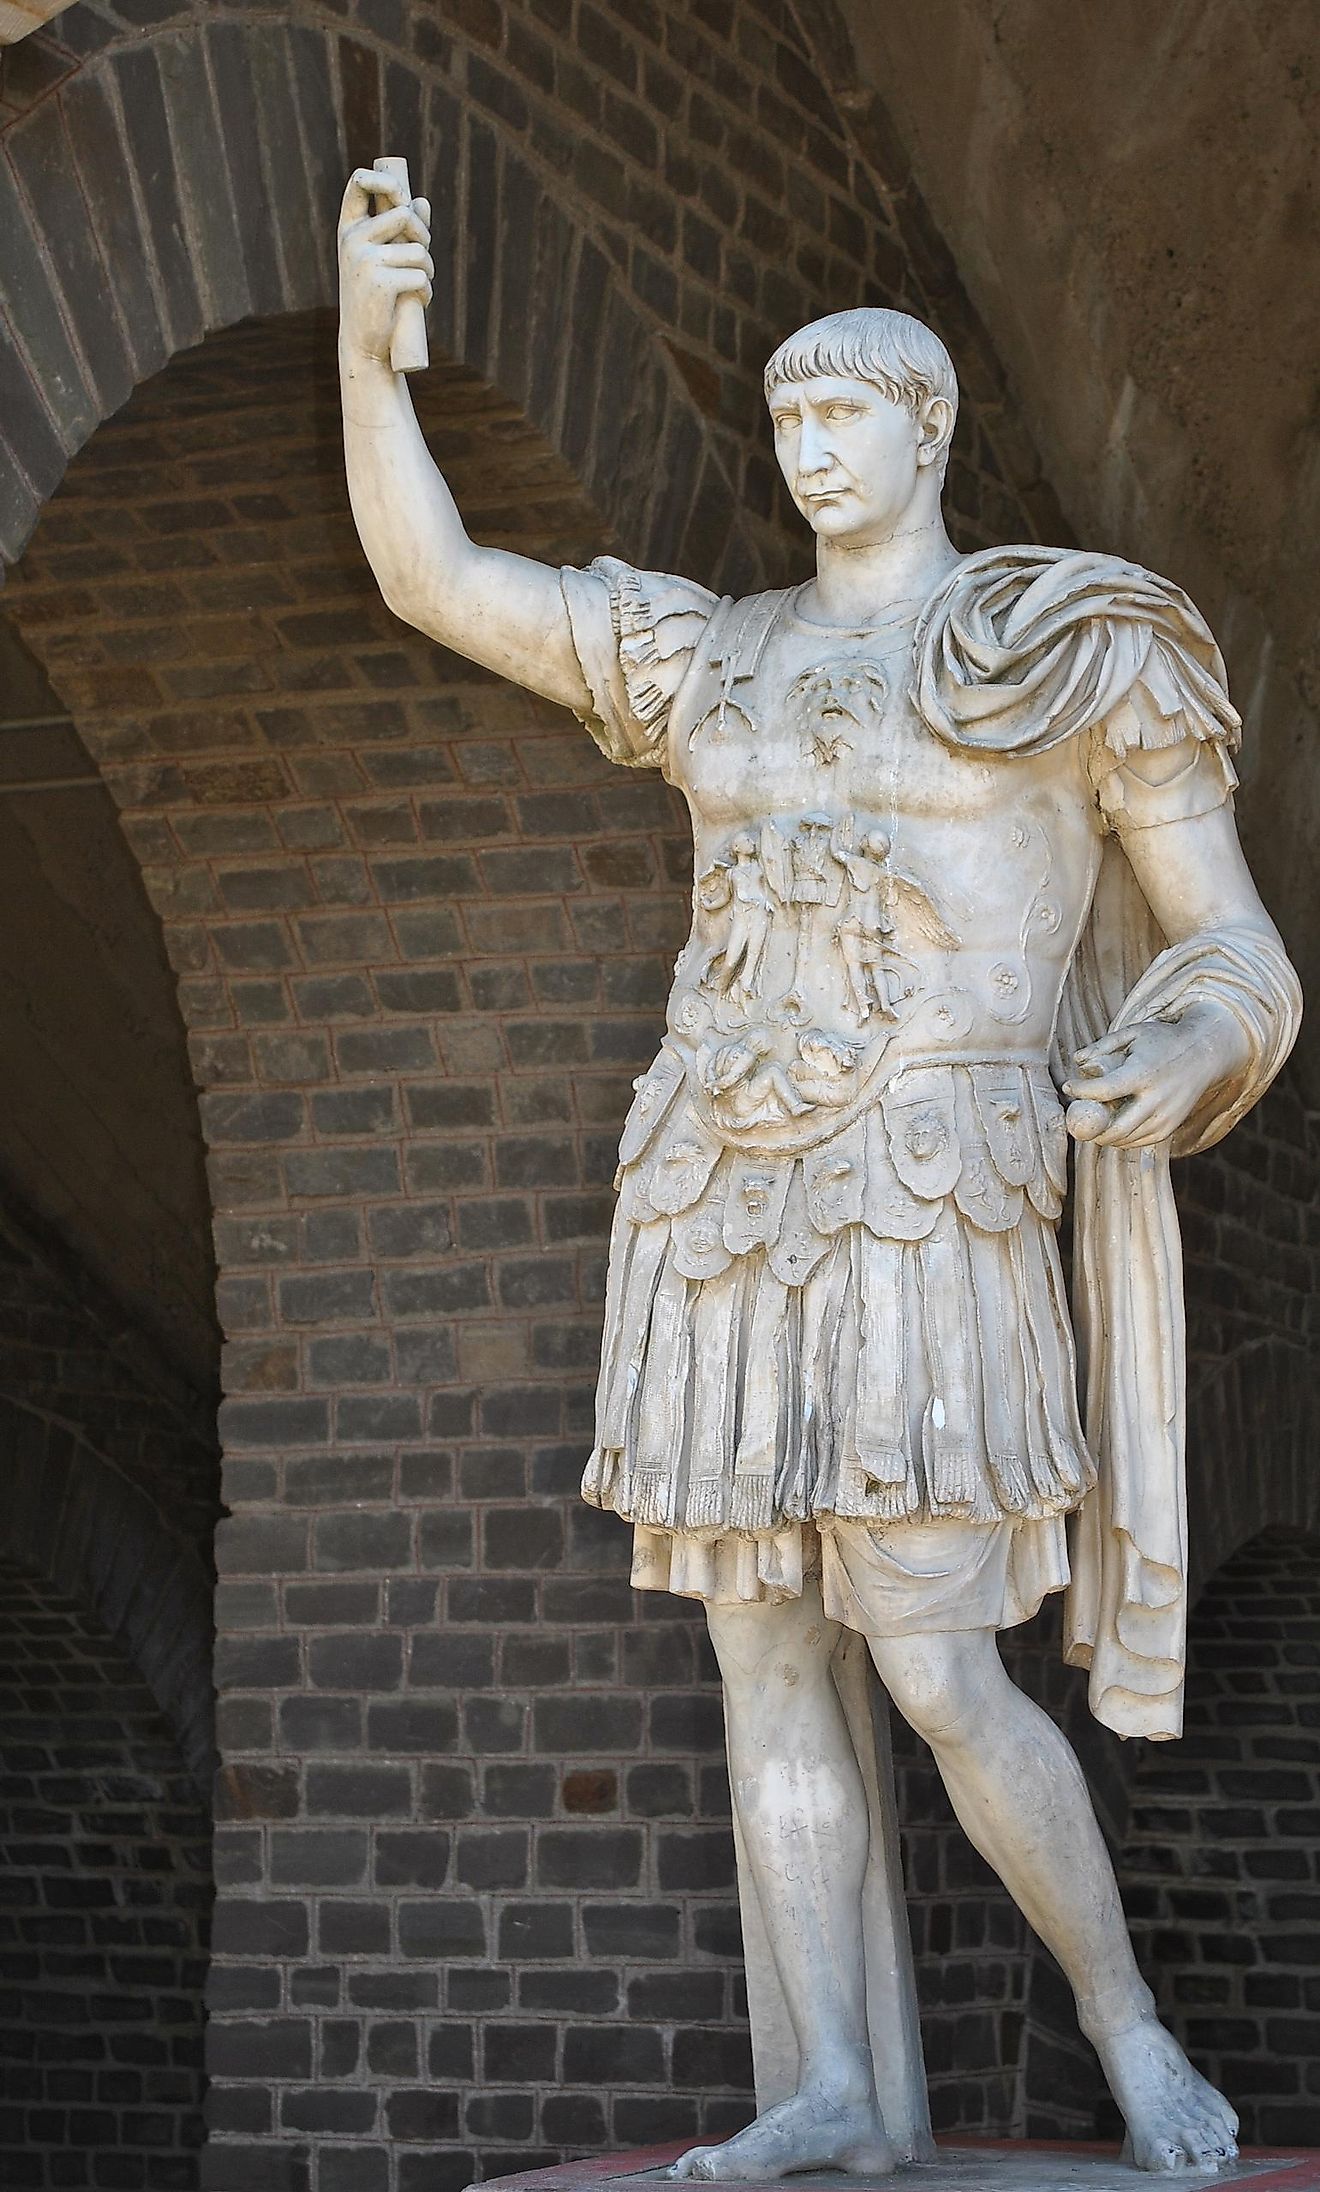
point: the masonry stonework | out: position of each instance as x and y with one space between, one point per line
104 1903
1221 1872
472 1855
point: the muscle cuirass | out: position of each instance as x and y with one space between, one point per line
881 931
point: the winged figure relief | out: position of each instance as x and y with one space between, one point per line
877 888
746 881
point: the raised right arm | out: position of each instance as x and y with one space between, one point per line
506 612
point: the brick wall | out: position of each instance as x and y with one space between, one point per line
473 1853
68 1356
1221 1872
104 1901
101 1137
111 1475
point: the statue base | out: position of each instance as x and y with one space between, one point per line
960 2165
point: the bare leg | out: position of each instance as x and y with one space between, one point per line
1022 1801
802 1810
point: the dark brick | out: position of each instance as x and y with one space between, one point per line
526 1537
358 1791
519 1791
342 1172
646 1931
354 1110
413 1724
422 2116
682 1997
613 2055
279 1423
536 1932
659 1792
492 1857
414 990
363 1662
436 1293
446 1792
392 2050
371 1420
265 1929
271 2047
414 1229
351 1542
589 1857
449 1104
535 1662
353 1929
447 1660
327 1297
441 1927
573 1725
415 1857
706 2056
309 1724
317 1857
494 1723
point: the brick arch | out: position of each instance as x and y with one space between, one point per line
74 1518
105 1842
210 160
1264 1398
654 197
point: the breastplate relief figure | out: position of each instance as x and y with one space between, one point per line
968 893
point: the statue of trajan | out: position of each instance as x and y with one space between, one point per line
967 887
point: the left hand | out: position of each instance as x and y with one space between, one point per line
1135 1088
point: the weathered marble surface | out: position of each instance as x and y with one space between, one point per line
965 854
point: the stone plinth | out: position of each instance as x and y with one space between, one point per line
962 2166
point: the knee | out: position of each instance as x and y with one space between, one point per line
758 1649
941 1693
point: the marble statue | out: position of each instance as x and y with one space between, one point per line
968 891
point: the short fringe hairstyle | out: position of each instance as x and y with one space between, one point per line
890 350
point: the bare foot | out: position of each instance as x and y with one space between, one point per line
812 2130
1174 2117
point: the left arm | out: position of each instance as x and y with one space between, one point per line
1153 1076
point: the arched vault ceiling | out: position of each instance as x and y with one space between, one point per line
1130 196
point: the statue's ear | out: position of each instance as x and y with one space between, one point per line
934 429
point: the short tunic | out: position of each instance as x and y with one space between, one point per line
836 1335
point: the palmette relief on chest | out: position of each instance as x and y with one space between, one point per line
861 896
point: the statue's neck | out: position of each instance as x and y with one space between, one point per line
858 586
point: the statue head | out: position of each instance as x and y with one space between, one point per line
863 404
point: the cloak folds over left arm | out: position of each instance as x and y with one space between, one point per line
1020 650
1126 1613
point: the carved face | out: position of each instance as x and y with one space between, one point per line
850 455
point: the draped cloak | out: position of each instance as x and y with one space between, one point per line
1018 650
